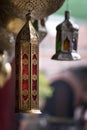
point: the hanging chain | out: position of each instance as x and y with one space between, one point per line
67 4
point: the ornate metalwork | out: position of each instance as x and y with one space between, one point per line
39 8
66 40
27 69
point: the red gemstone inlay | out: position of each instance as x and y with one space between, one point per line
25 97
25 84
34 69
25 56
34 97
25 69
34 84
34 56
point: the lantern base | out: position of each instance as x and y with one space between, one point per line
32 111
35 111
66 56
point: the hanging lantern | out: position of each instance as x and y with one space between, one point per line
5 68
27 67
66 40
40 28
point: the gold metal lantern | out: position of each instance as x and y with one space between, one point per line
27 67
66 40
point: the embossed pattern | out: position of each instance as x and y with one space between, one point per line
34 78
27 69
39 8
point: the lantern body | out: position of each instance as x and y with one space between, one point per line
66 40
27 67
40 28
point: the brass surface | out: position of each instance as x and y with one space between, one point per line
12 12
27 83
39 8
